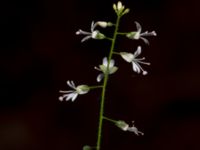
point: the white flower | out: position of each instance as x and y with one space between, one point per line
125 127
72 94
138 35
105 68
94 34
132 58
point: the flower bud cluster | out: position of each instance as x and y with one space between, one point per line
120 9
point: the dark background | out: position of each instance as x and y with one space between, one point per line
39 52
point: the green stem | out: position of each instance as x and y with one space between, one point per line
99 135
122 33
116 53
96 87
108 38
108 119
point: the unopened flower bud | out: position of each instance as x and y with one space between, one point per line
119 6
87 147
126 11
114 7
104 24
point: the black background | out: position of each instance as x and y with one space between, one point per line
39 52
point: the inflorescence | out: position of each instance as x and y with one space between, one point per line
108 66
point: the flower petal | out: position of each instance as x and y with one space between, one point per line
145 40
113 70
152 33
69 96
100 77
138 26
86 38
136 68
71 84
135 130
138 51
105 61
74 97
69 91
93 25
112 63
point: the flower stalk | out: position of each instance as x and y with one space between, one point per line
110 120
105 81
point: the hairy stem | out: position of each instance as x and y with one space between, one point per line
105 81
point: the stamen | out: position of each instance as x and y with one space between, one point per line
142 62
143 71
97 68
78 32
154 33
65 91
60 98
138 59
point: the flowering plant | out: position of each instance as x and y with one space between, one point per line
108 67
